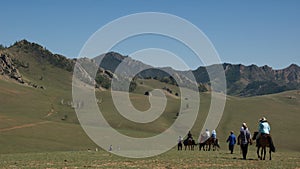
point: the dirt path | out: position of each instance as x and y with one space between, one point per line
24 126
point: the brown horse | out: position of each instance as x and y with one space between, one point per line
263 142
189 143
206 145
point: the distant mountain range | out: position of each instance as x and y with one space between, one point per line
241 80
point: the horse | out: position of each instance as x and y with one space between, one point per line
206 145
189 143
263 142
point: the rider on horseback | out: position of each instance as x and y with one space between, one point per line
264 130
214 135
204 136
189 135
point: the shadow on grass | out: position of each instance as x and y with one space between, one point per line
230 156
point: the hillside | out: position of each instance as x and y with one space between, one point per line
241 80
33 120
253 80
38 115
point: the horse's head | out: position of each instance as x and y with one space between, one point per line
255 135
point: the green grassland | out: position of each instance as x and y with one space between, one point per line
170 159
22 106
39 127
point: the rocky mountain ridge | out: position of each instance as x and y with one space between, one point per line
241 80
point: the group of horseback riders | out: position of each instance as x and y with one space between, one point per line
205 139
262 137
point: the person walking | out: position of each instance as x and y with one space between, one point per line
244 139
231 142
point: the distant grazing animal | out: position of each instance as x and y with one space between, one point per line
263 143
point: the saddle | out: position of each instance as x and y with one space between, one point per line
264 139
264 136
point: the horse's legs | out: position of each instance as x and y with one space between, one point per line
258 152
265 150
261 153
270 153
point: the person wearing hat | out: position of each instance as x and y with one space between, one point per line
244 139
214 136
232 140
264 129
207 134
204 136
179 145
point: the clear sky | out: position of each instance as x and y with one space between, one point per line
248 32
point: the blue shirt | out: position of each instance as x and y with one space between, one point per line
214 134
264 127
231 139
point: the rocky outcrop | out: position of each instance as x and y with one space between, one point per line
7 68
254 80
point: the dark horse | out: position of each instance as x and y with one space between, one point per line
263 142
190 143
206 145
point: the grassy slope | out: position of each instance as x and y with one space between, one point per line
22 105
25 105
283 115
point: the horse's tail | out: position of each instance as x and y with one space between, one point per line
217 143
271 144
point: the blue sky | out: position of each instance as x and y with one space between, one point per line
248 32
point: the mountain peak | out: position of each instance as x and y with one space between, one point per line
29 46
25 42
293 66
114 55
